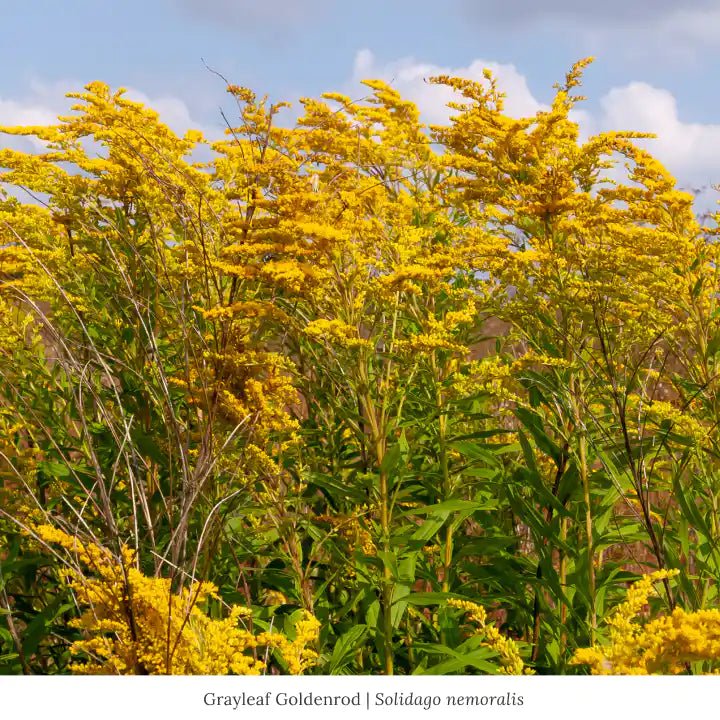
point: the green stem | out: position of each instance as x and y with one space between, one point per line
387 585
589 533
584 477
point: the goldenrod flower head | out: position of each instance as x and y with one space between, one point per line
137 624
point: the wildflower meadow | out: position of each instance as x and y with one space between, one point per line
351 394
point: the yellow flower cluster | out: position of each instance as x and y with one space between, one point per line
134 624
491 375
667 644
680 422
298 653
335 331
510 661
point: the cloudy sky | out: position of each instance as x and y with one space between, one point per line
656 60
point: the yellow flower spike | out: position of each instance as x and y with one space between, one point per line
510 661
666 644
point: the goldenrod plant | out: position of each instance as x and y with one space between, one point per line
309 404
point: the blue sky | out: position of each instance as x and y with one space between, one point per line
656 67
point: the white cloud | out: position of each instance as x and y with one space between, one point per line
40 106
688 149
13 112
409 77
173 112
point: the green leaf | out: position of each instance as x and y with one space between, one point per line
432 598
450 506
534 424
399 603
391 460
345 648
54 469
